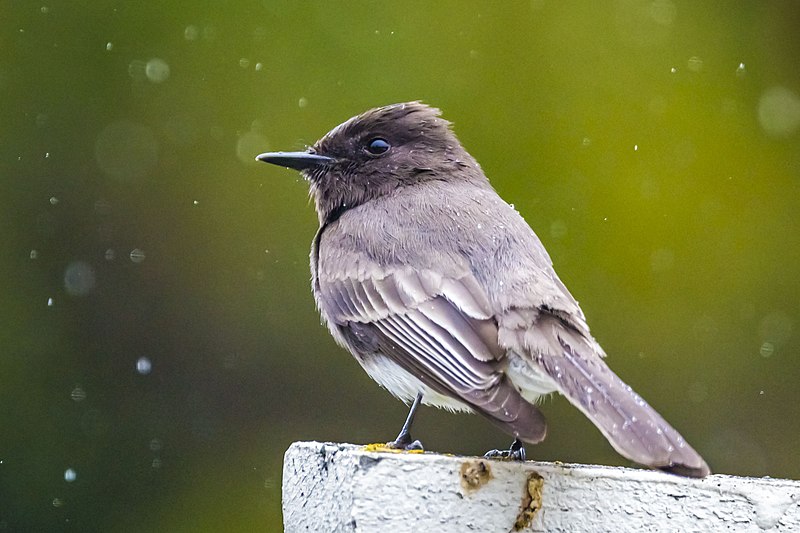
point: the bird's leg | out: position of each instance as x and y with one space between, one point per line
515 453
403 440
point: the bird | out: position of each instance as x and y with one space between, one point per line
445 295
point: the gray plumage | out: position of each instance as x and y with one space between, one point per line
437 285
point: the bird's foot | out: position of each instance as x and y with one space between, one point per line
404 442
515 453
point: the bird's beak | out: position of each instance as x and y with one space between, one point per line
295 160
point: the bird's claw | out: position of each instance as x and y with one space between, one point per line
404 442
515 453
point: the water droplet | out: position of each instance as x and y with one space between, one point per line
53 200
110 254
558 229
191 33
244 62
45 10
259 66
79 278
70 475
741 70
779 111
109 46
157 70
635 147
673 70
767 349
144 366
156 463
695 64
58 502
50 302
302 102
77 394
154 445
137 255
586 141
34 254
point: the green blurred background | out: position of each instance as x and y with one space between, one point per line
159 346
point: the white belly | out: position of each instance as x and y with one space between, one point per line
405 386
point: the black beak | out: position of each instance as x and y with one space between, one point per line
295 160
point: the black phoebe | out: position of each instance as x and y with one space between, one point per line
445 295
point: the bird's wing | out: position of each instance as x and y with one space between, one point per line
440 330
570 358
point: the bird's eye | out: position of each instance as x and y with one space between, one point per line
378 146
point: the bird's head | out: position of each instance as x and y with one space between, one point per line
376 153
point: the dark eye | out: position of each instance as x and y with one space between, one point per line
378 146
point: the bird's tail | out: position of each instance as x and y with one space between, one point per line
632 427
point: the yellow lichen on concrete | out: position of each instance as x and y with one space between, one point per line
531 501
474 474
382 448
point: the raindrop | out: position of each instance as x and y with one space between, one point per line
586 141
137 70
45 10
70 475
779 111
144 366
191 33
741 71
137 255
249 144
673 70
50 302
302 102
77 394
79 278
154 445
109 255
244 62
635 147
156 463
109 46
53 200
767 349
259 66
58 502
695 64
157 70
558 229
34 254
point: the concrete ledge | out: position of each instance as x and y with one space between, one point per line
342 487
